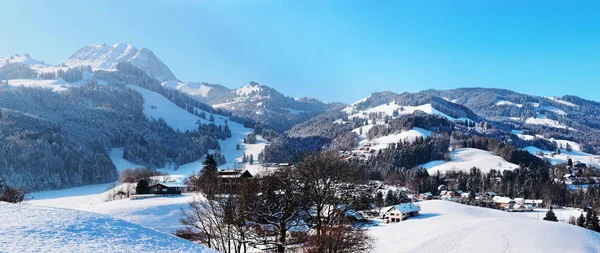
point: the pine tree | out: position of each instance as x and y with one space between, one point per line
379 200
550 216
210 164
212 118
595 222
251 160
589 219
142 187
581 220
391 198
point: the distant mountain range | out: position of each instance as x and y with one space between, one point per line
96 78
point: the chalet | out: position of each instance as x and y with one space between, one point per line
401 212
232 178
504 203
522 208
534 202
425 196
171 188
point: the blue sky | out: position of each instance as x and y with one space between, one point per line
332 50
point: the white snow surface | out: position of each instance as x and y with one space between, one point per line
466 158
191 88
541 119
27 228
385 141
558 100
563 157
33 63
445 226
554 109
248 89
504 102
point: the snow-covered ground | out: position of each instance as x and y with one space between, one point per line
28 228
564 156
389 108
558 100
466 158
57 85
451 227
385 141
191 88
541 119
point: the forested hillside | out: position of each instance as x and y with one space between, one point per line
70 131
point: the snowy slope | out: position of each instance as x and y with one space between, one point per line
466 158
451 227
54 85
33 63
563 157
541 119
385 141
156 106
388 109
102 56
191 88
27 228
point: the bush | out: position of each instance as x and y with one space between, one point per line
12 195
134 175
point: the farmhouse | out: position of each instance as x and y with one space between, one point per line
401 212
175 188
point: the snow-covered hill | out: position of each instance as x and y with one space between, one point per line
156 106
27 228
102 56
445 226
466 158
27 60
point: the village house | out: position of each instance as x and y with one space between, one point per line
171 188
401 212
537 203
503 203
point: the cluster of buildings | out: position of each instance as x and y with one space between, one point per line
489 199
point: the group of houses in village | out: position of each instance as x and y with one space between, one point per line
230 178
488 199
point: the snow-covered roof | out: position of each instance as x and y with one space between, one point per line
173 184
502 200
405 208
534 201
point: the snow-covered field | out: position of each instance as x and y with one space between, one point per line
451 227
28 228
466 158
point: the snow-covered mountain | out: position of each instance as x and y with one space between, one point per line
102 56
258 102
